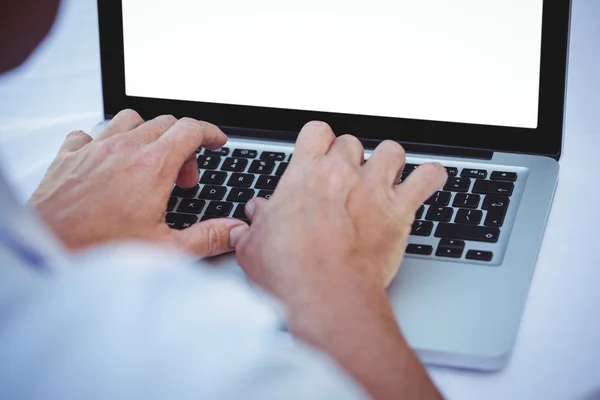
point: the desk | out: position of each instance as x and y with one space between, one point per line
557 355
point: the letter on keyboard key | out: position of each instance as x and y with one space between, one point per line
213 177
467 232
219 208
267 182
213 192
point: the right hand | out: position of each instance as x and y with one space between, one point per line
332 220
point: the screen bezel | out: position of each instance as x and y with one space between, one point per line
546 139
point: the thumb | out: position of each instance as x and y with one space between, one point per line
211 238
75 141
254 207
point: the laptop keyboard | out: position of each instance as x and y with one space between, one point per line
465 220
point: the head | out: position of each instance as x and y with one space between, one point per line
23 25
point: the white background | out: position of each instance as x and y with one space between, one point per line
474 61
557 354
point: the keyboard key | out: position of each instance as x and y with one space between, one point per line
239 195
451 248
266 194
207 217
503 176
450 252
240 212
452 243
439 199
439 214
495 217
467 232
208 162
472 217
290 158
474 173
492 202
422 228
420 249
458 185
219 208
172 203
452 172
191 206
183 192
221 152
212 192
262 167
479 255
420 212
180 221
241 180
267 182
462 200
271 155
281 169
245 153
234 164
213 177
493 187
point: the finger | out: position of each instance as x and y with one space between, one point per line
153 129
349 148
386 162
188 174
314 140
421 184
180 142
254 206
208 238
74 141
124 121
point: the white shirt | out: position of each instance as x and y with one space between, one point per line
136 321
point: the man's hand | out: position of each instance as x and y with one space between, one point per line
117 186
329 241
332 216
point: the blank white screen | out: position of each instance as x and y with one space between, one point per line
471 61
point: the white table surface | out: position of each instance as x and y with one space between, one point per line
557 355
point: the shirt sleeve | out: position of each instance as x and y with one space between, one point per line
133 322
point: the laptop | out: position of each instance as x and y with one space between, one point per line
478 86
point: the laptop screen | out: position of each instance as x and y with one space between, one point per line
467 61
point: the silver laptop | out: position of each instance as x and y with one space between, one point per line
476 85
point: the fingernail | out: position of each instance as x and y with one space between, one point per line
235 235
250 207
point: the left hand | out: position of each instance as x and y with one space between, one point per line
117 186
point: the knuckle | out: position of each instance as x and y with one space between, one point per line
167 119
115 144
130 114
319 127
393 147
431 173
76 133
351 140
214 241
191 124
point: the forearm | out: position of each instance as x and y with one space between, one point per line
355 325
